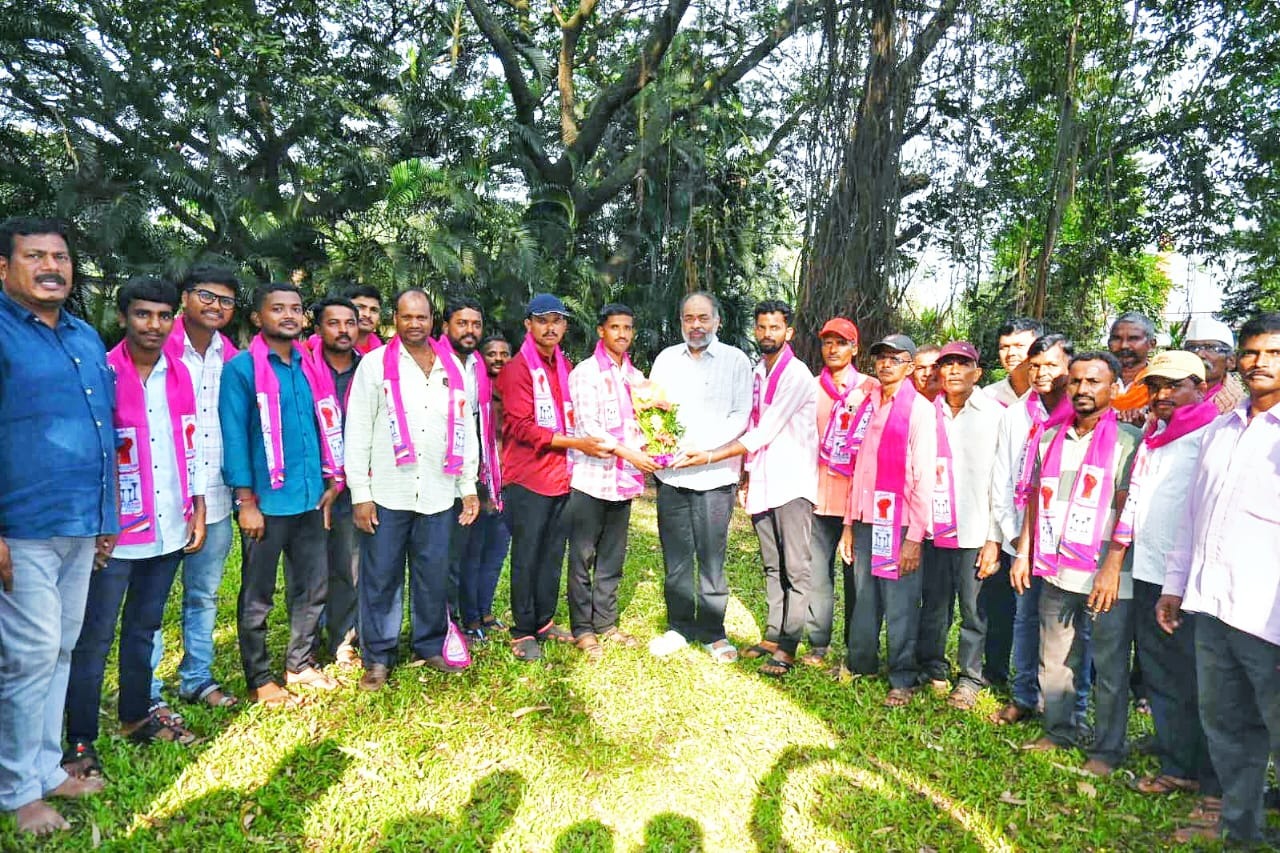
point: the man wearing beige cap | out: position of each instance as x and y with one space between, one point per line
1213 341
1161 476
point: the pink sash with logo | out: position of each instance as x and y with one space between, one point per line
845 428
133 443
545 411
177 341
891 484
401 440
758 405
490 466
456 430
328 413
1071 538
619 417
945 522
1040 422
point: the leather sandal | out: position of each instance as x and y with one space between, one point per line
589 644
1011 713
1166 784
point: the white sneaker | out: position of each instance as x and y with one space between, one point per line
667 644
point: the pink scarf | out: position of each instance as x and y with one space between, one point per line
401 440
891 485
845 428
945 523
371 343
133 438
177 341
328 415
490 465
1072 539
547 414
758 405
456 430
619 417
1040 422
1185 420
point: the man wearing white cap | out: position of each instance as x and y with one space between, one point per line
1161 477
1212 340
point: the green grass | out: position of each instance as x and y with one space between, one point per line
632 754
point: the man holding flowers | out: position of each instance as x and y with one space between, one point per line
601 488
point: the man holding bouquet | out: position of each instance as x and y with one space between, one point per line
601 488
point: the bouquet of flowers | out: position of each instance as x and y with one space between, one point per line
656 417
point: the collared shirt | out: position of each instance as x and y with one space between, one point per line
972 436
528 458
922 454
1165 483
206 382
713 394
599 477
833 488
784 442
1006 468
1073 452
372 472
57 459
1002 392
244 456
341 388
1226 561
166 485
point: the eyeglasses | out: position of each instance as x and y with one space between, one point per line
1220 349
208 297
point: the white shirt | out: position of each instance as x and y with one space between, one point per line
1002 392
1227 559
713 393
206 380
1160 502
1006 467
171 524
785 442
372 473
972 436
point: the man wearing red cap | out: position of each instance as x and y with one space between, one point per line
843 413
968 425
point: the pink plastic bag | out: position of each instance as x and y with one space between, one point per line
455 652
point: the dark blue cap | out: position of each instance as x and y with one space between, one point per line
545 303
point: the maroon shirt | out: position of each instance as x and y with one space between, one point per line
527 457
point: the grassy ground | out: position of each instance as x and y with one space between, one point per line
631 754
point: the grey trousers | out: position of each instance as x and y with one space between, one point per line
1169 669
823 541
784 549
342 607
1063 653
876 600
1239 682
949 574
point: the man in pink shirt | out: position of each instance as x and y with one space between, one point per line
843 412
887 520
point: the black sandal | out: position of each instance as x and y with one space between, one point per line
80 761
776 667
526 649
157 728
759 650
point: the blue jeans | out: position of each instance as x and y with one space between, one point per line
482 561
39 624
1025 684
143 586
201 578
424 541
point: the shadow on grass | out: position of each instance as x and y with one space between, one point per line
494 801
233 819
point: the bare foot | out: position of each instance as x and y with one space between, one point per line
40 818
75 787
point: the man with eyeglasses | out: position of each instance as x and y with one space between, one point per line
924 371
208 306
1225 568
1213 341
890 506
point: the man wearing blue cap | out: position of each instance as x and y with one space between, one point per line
537 432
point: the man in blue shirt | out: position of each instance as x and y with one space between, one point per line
57 517
282 506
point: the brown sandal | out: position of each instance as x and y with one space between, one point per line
1011 713
613 635
1165 784
589 644
899 697
815 657
762 649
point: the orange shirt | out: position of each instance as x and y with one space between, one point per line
833 488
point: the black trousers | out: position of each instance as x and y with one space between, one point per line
823 542
301 538
877 601
538 539
597 547
342 607
693 528
784 549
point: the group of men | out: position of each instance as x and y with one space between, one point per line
1064 532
